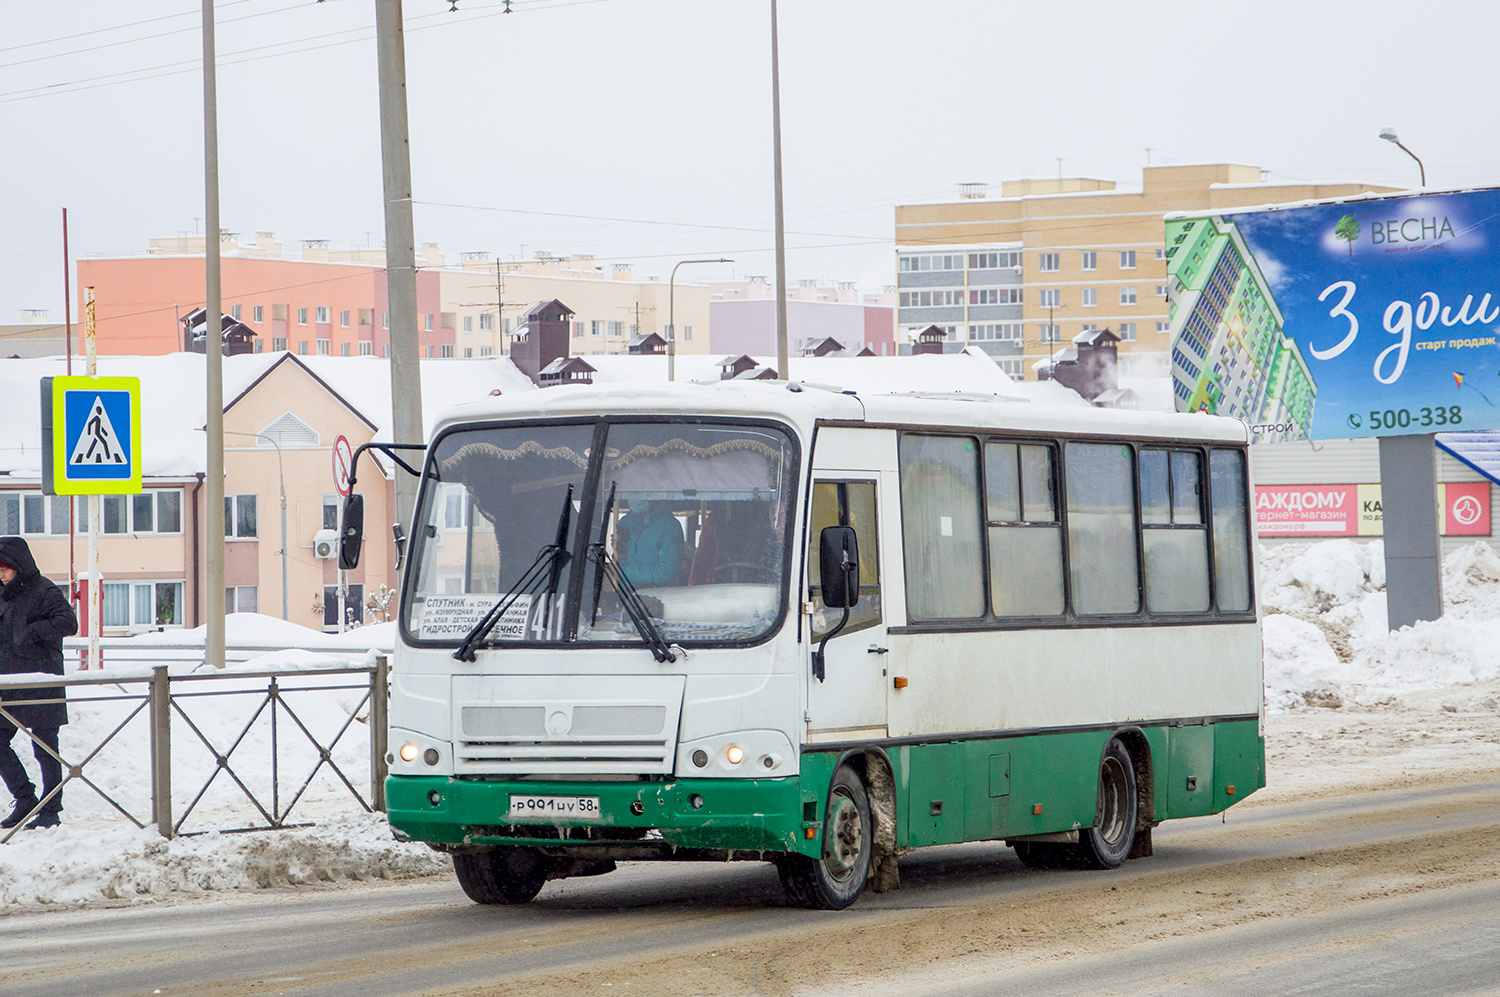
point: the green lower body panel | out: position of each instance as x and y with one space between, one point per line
735 814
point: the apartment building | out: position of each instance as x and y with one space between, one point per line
1021 274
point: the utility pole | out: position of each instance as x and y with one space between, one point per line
213 352
400 246
96 582
781 347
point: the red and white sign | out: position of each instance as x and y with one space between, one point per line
1466 508
343 461
1307 510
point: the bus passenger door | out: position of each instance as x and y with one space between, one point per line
849 702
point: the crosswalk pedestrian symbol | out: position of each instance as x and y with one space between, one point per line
91 435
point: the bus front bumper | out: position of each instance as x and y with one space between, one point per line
734 815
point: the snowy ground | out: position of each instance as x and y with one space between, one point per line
1350 707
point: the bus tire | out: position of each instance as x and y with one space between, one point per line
501 875
837 878
1107 844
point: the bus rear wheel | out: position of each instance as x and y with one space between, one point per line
1107 844
506 875
835 880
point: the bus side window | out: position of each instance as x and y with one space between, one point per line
940 527
1173 531
1101 528
1025 536
846 503
1231 532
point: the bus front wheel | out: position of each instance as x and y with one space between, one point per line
1107 844
506 875
835 879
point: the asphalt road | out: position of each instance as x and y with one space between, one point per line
1364 894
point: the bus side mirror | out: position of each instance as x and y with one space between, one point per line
353 532
838 563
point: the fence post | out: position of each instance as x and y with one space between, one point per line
379 680
161 750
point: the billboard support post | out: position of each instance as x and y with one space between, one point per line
1413 549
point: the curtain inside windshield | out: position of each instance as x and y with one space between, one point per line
697 526
490 517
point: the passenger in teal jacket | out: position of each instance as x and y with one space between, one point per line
654 545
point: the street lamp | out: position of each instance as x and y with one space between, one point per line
672 316
1389 134
280 472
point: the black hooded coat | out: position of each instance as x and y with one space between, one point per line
34 619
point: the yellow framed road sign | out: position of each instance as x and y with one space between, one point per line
91 435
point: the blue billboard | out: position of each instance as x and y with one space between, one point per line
1372 316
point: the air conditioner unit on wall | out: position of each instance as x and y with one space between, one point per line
326 544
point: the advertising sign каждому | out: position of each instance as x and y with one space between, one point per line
1373 316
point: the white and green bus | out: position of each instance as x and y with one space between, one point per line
775 622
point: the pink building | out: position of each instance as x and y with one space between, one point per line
748 326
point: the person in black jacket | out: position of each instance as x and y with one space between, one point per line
34 619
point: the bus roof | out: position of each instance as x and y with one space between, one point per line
805 405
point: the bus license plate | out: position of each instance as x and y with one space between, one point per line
555 808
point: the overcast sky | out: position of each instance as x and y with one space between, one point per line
640 130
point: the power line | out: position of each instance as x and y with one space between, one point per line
117 27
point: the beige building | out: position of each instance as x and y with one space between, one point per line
610 305
1021 274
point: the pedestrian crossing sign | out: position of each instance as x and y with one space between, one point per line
91 435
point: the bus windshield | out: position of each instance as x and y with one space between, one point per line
674 527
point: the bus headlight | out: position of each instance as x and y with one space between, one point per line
734 754
408 752
740 754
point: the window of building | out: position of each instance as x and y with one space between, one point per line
984 296
1048 262
577 330
505 326
1127 295
614 328
343 349
485 322
945 298
1101 528
846 503
259 314
322 314
938 261
1090 296
468 323
385 320
1090 260
1161 253
1025 531
429 352
366 349
324 347
1163 326
447 350
385 350
234 311
1174 533
330 511
427 322
486 351
114 514
1049 297
596 328
354 600
687 334
1161 290
940 527
239 516
142 604
1127 259
302 316
23 514
302 347
1049 333
986 331
278 343
1127 332
468 352
344 318
993 261
241 599
1011 366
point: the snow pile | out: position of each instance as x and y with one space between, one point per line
1326 637
76 864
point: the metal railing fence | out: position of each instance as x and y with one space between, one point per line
161 695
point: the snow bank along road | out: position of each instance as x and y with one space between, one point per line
1357 875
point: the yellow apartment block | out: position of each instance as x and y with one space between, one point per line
1021 274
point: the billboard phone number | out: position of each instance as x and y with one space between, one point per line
1449 415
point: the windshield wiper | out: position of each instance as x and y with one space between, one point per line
547 568
630 599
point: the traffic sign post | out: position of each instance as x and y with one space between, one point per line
343 462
